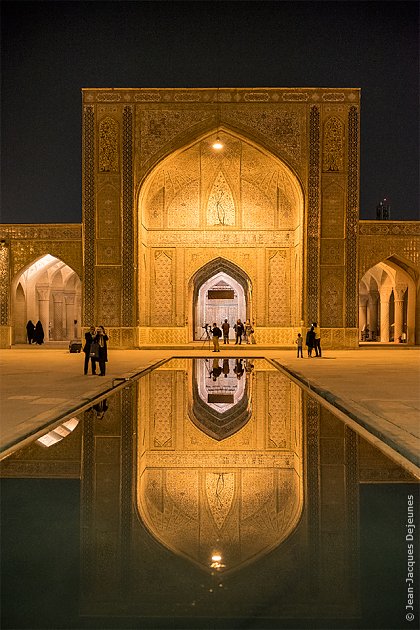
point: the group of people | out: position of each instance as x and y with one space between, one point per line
245 331
96 350
35 332
312 341
241 366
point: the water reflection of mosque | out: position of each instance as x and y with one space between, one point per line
221 395
216 473
164 505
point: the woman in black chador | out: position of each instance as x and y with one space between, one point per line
39 333
101 339
310 340
30 331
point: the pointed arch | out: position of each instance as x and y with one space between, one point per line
184 177
387 302
235 278
52 294
241 198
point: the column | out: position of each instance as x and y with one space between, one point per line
363 305
44 309
78 316
70 315
58 323
399 291
385 294
373 314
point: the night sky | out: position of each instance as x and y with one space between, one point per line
50 50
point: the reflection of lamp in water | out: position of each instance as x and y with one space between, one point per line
216 561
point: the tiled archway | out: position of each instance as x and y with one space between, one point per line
221 291
387 304
47 290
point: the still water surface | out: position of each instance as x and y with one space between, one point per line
208 494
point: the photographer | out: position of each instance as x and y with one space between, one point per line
217 333
101 339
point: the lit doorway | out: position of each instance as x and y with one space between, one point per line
220 298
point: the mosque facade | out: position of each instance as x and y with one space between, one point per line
201 205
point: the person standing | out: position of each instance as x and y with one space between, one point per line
39 333
217 333
299 343
310 341
89 337
217 370
101 339
249 331
252 334
317 344
225 329
100 408
239 368
239 331
225 368
30 331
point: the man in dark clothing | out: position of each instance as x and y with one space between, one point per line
225 368
89 336
225 329
239 331
217 370
317 344
239 368
310 340
101 339
217 333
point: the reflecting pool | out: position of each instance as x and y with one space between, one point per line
207 494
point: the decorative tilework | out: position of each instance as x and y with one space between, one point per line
313 215
352 219
89 214
4 284
128 240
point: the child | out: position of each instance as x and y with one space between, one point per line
299 342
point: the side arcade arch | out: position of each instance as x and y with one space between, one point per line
387 303
47 290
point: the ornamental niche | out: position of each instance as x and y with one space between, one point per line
108 145
333 145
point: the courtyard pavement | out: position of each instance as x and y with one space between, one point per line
376 390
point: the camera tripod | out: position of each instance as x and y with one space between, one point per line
206 337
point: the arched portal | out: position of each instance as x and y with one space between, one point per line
47 290
220 290
199 207
387 303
